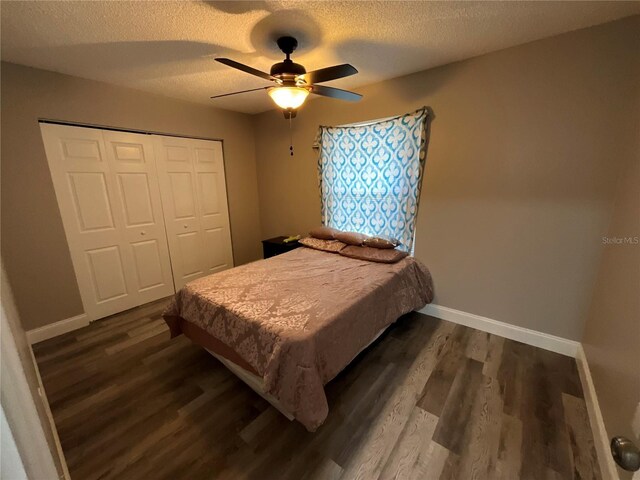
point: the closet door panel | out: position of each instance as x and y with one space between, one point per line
182 197
190 252
107 273
132 161
89 193
209 194
177 185
136 198
212 194
148 263
194 198
89 205
217 258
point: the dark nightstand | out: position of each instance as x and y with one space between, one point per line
276 246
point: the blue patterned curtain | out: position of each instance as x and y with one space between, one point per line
370 176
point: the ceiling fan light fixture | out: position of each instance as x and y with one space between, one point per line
288 97
293 83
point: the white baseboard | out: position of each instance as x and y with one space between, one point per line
530 337
600 437
58 328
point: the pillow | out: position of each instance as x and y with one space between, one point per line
373 254
324 233
351 238
333 246
381 242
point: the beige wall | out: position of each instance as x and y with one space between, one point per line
525 150
34 246
612 332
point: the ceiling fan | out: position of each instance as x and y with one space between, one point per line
292 81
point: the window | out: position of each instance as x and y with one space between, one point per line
370 176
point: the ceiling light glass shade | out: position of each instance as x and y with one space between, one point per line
288 97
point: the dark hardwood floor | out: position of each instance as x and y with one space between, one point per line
428 400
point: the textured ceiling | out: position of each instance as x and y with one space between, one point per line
167 47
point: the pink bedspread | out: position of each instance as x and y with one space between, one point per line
299 318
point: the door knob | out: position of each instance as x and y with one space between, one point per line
625 453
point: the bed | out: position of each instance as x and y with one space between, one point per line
289 324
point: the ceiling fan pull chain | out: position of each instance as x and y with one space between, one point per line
290 136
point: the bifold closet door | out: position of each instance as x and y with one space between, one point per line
109 200
133 165
194 200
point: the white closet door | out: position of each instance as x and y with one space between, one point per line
211 191
194 200
92 187
133 166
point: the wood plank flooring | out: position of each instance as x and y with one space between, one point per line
428 400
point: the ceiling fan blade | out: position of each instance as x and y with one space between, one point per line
242 91
244 68
329 73
335 93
